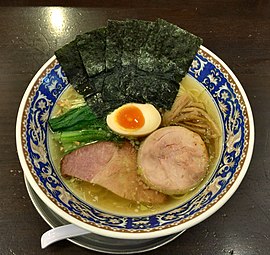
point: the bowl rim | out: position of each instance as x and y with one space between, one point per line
152 234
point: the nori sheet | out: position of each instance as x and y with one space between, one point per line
136 33
169 49
129 61
177 45
92 46
132 85
145 87
69 58
114 43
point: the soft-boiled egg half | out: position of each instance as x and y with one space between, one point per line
134 119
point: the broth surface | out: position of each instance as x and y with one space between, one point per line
105 200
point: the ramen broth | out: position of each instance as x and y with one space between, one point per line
105 200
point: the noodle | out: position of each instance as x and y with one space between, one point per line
190 112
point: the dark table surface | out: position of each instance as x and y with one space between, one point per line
237 31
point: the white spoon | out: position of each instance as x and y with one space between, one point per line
59 233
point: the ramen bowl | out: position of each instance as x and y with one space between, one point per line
35 156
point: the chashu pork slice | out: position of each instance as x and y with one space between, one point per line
173 160
112 166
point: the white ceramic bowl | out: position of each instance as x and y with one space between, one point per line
238 139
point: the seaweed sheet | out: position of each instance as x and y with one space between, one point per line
132 85
144 87
136 33
177 45
169 49
92 46
69 58
129 61
114 43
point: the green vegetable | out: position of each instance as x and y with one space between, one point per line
85 136
80 126
71 140
76 119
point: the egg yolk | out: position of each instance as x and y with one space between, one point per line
130 117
